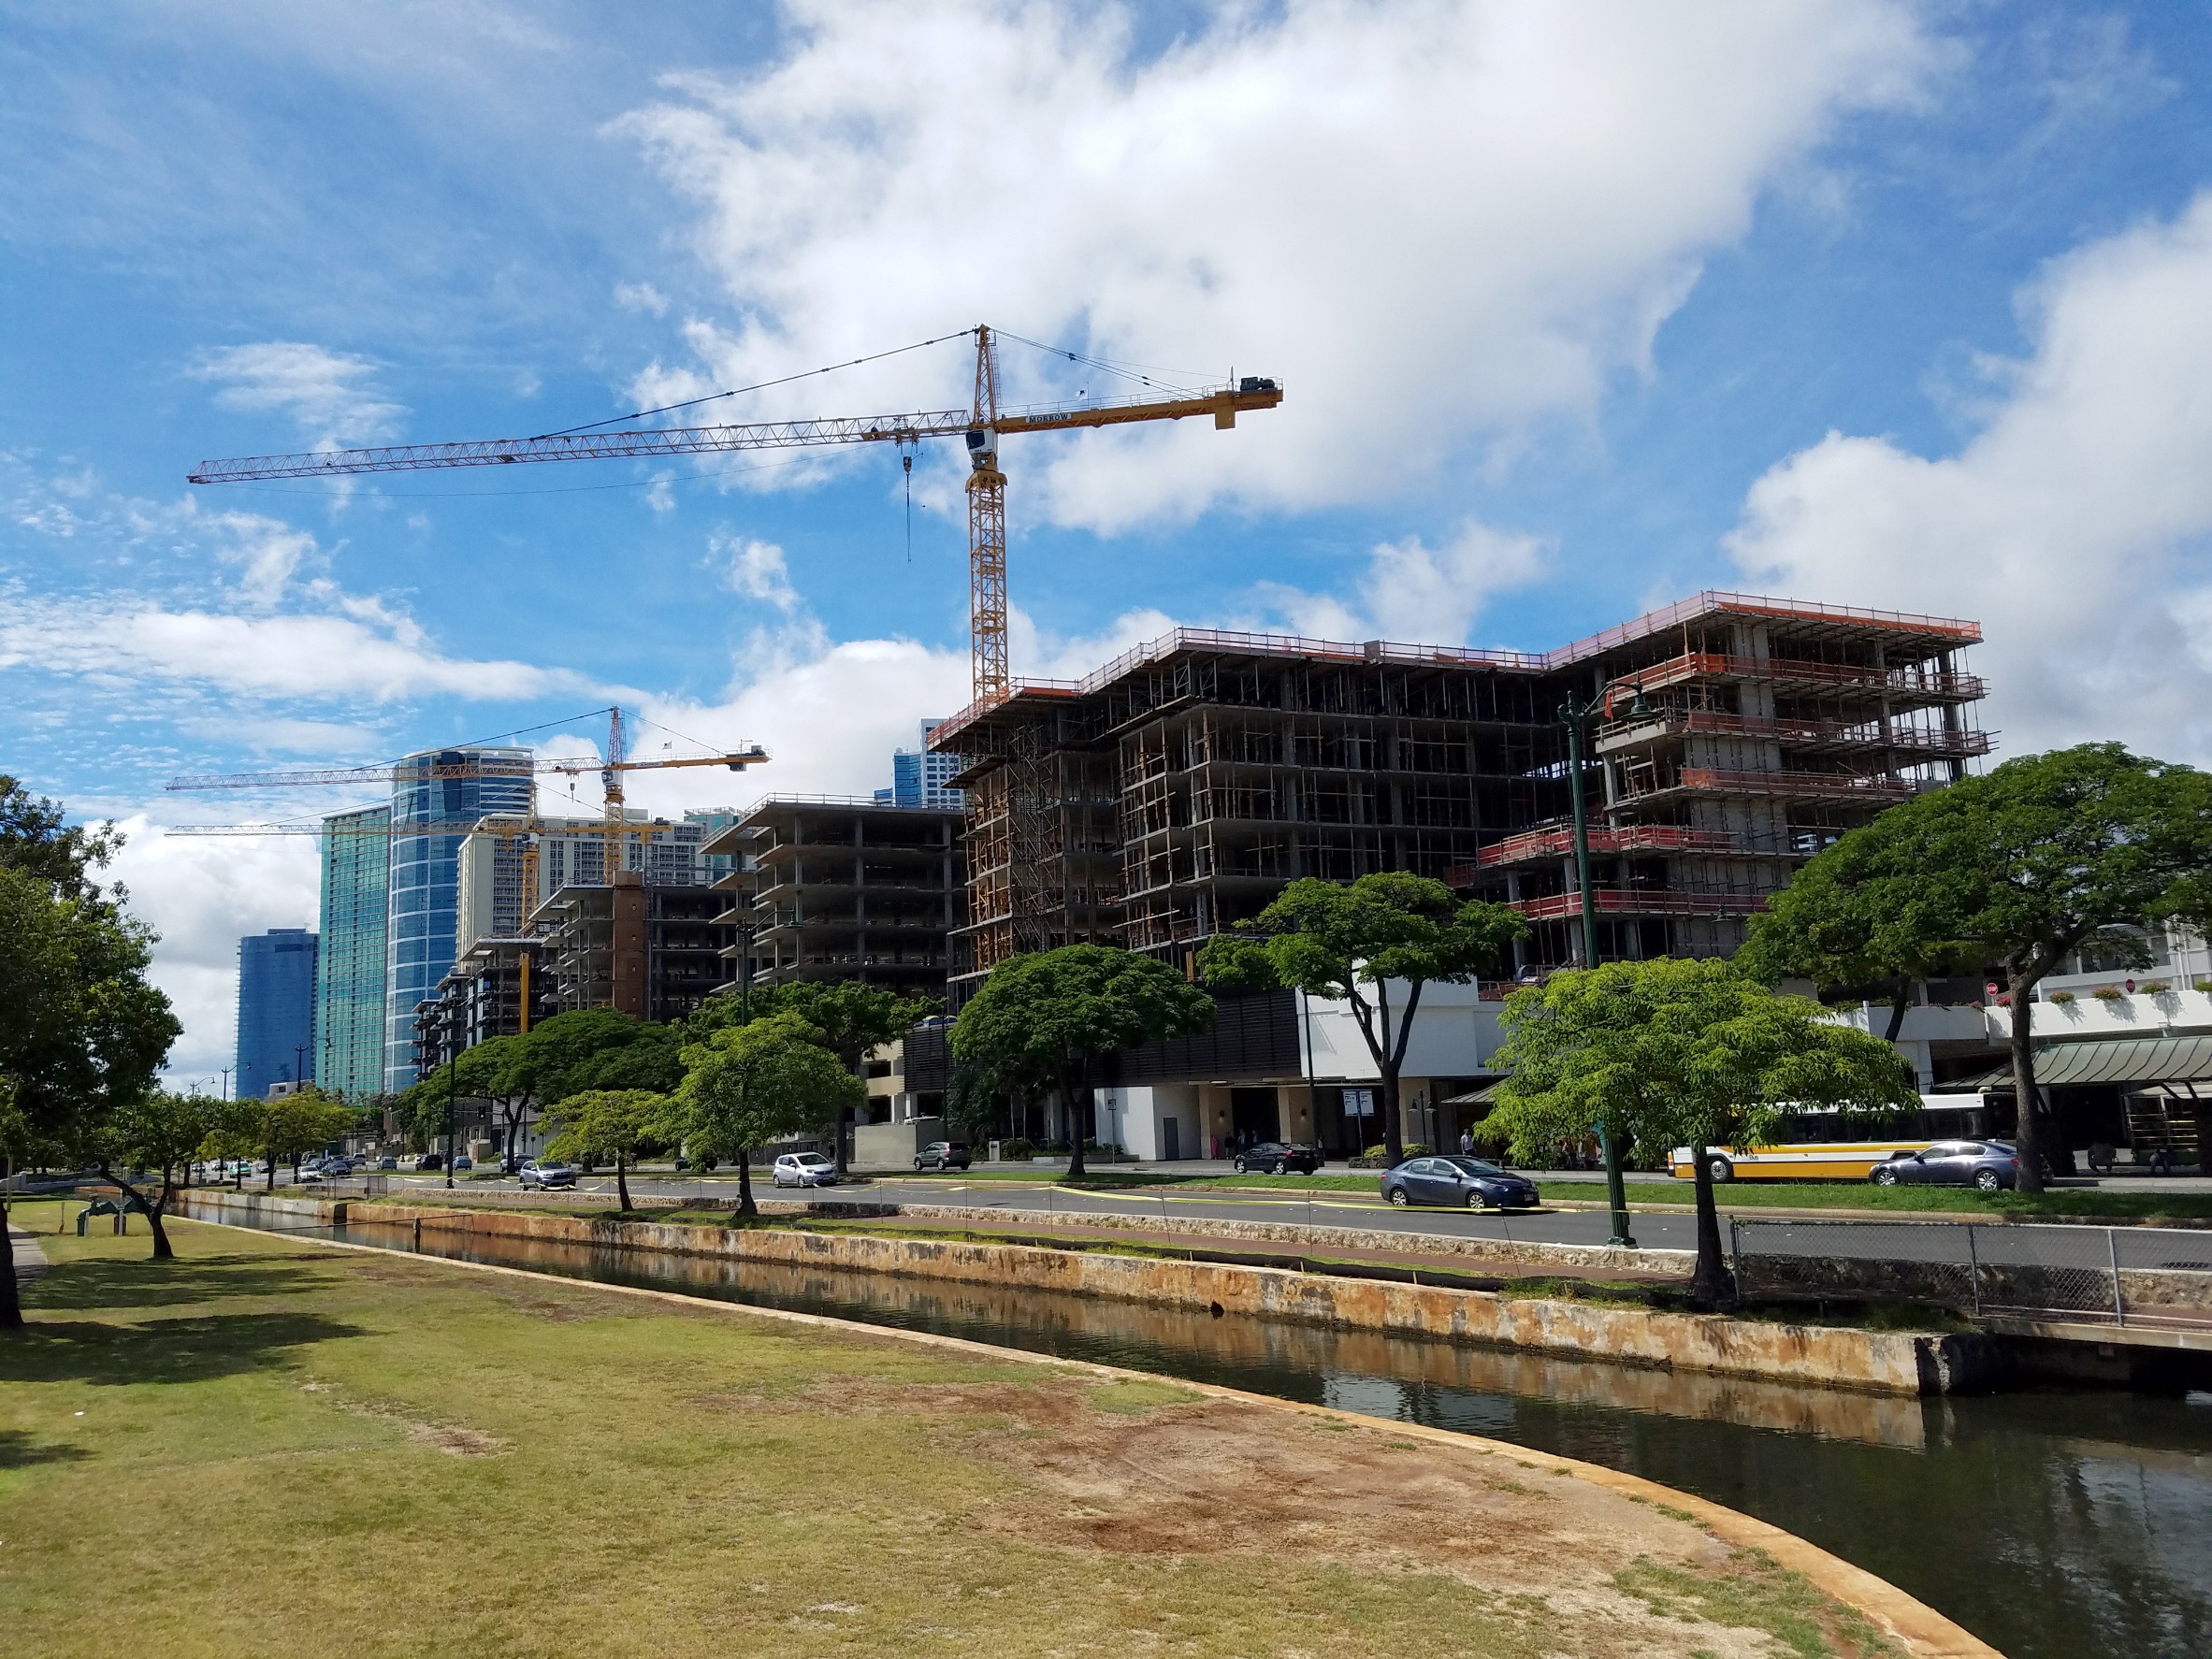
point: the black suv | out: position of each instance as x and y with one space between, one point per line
1278 1158
942 1155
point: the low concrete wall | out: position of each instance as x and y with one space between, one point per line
1893 1363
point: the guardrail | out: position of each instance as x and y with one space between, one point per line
2122 1276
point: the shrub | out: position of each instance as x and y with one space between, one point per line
1017 1150
2156 987
2061 997
1376 1158
2206 986
2107 993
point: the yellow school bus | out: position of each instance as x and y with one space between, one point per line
1944 1116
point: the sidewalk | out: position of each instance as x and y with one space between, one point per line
30 1259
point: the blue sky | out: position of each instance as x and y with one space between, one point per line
1578 308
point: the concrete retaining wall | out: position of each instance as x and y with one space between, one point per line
1894 1363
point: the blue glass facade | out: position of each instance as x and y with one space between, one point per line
350 964
441 786
919 778
276 1010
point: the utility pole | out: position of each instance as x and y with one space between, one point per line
453 1062
1577 721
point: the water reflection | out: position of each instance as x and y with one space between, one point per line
2054 1525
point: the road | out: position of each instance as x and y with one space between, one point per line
1319 1209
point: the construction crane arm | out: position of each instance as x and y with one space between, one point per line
587 446
1224 406
736 760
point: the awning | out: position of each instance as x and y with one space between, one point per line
1484 1096
2125 1059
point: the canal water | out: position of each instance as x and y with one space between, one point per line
2073 1525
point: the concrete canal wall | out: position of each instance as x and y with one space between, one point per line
1881 1362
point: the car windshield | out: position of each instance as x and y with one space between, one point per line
812 1160
1475 1166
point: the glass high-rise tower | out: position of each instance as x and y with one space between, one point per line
435 787
351 965
276 1010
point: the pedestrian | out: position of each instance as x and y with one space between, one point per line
1466 1143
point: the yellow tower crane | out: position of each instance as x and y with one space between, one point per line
981 424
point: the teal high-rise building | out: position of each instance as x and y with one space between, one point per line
430 791
351 968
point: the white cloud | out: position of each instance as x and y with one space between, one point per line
1441 225
2076 526
754 569
641 296
1412 591
327 393
285 655
202 895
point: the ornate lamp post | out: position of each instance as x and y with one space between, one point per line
1577 721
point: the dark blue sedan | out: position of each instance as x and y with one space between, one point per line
1464 1183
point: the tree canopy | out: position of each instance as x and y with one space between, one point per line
159 1132
1672 1053
2025 864
750 1084
1350 941
607 1126
1842 926
1052 1015
83 1032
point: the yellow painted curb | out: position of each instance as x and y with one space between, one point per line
1924 1632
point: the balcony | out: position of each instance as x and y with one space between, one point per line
1913 682
1536 846
1802 786
1813 734
1639 901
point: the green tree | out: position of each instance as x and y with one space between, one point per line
1670 1054
83 1033
290 1127
853 1020
1844 928
1055 1014
607 1125
1352 941
160 1132
2025 864
750 1084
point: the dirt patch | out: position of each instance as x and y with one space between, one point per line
1162 1472
450 1438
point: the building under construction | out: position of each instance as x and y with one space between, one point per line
1174 792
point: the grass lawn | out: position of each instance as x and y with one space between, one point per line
273 1446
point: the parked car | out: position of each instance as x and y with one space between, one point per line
942 1155
336 1169
430 1161
387 1164
462 1161
539 1173
1465 1183
1278 1158
802 1169
309 1177
1989 1166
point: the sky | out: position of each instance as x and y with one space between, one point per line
1578 308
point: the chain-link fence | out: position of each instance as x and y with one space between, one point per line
2150 1275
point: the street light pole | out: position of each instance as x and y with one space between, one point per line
1577 721
453 1061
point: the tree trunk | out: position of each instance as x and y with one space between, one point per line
1901 994
1387 1102
622 1179
271 1185
1711 1285
12 1306
2026 1134
162 1249
1073 1115
745 1206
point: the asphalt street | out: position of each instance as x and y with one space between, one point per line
1318 1209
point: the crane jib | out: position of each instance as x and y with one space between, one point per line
1223 405
588 447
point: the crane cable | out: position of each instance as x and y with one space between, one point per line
760 386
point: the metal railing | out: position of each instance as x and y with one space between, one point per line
2122 1276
